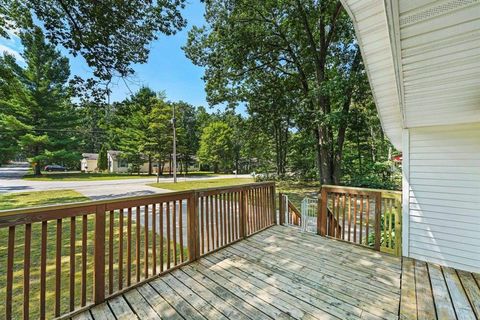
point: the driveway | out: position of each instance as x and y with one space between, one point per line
11 181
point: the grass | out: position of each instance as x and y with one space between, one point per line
18 271
80 176
201 184
297 190
38 198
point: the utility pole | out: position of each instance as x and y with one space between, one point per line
174 157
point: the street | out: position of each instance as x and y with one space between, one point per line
11 181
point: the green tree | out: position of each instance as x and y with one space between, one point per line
39 101
216 146
103 159
129 127
92 126
160 133
309 44
10 128
111 35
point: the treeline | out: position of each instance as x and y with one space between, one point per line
44 118
142 128
309 113
298 68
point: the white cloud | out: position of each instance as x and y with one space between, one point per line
11 51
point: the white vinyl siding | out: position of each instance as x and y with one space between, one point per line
440 50
444 195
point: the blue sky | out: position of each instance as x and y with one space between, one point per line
167 69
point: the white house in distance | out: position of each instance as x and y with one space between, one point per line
89 162
423 63
116 164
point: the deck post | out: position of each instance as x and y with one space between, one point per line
273 205
281 208
99 256
243 214
378 216
322 213
192 227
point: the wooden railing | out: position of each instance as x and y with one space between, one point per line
289 214
368 217
58 260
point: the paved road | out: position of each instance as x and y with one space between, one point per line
11 181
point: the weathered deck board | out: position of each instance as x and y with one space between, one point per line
102 311
425 303
430 291
408 298
121 309
282 273
140 306
472 289
158 303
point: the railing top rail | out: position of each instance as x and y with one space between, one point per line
344 189
87 206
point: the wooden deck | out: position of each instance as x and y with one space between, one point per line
282 273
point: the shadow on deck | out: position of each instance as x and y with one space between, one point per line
282 273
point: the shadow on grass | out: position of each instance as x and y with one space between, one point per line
137 267
39 198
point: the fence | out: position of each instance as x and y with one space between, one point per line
309 209
289 214
58 260
368 217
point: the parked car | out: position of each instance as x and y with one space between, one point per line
54 167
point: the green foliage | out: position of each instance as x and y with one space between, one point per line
297 67
37 96
160 132
384 235
216 146
102 162
301 156
294 66
10 127
111 35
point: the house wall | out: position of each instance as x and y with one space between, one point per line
114 168
442 195
88 165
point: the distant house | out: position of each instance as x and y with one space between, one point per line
116 163
119 164
89 162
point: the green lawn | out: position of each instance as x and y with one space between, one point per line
39 198
297 190
79 176
65 274
201 184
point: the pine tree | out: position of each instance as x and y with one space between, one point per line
102 159
37 96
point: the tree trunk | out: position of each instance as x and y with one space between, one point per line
150 165
38 166
38 171
324 156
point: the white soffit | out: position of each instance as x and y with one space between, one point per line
371 27
440 54
422 58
